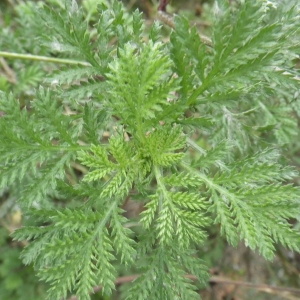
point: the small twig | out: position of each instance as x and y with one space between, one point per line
132 224
163 5
169 20
6 206
166 18
43 58
264 287
202 23
11 76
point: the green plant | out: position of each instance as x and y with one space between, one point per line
195 135
17 281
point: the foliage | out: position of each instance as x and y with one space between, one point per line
157 101
16 280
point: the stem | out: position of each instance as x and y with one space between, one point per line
168 20
195 146
158 177
106 218
163 5
43 58
201 88
11 76
209 182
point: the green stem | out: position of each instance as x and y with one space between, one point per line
200 89
158 177
208 182
106 217
43 58
195 146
